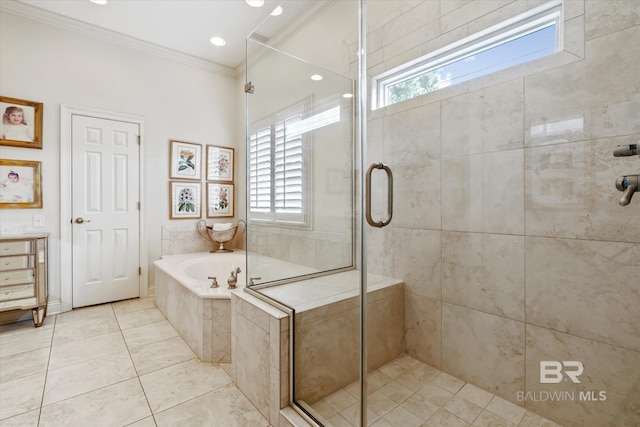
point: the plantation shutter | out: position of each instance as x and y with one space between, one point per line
278 170
288 165
260 170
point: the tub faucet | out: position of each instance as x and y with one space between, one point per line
233 279
628 184
214 282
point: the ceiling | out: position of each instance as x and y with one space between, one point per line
180 26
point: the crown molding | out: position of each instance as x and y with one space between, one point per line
41 15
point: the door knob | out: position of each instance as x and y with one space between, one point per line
82 220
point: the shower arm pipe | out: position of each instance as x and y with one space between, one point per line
387 169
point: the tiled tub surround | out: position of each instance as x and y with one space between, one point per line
260 353
327 318
508 235
319 250
200 314
184 239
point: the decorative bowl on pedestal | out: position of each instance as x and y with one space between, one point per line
219 233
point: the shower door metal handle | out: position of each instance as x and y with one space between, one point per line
379 224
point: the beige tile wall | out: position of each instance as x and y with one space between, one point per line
327 349
508 234
260 353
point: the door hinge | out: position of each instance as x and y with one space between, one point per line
248 87
139 271
138 139
138 205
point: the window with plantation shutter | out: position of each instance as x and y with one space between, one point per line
260 166
277 173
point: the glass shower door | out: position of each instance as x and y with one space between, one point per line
301 238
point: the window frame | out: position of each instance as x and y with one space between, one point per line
535 19
296 220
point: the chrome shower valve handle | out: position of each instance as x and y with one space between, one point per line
626 150
628 184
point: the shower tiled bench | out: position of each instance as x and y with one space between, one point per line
326 335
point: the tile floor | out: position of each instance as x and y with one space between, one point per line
406 392
119 364
123 364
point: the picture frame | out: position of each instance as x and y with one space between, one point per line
21 124
20 184
185 200
220 200
186 160
220 163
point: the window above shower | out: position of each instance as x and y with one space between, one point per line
523 38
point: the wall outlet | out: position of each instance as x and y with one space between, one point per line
38 220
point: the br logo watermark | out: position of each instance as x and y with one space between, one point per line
553 372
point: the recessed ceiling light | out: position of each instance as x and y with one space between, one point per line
100 2
255 3
316 77
277 11
347 95
217 41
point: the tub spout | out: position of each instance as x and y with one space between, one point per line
233 279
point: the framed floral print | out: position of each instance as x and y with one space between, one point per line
219 200
185 200
21 123
20 186
186 160
219 163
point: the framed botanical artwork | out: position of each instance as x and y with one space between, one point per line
186 160
219 200
21 123
219 163
185 199
20 184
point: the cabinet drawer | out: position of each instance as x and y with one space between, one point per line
14 262
15 292
15 248
16 276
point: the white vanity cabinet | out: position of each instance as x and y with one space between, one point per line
23 274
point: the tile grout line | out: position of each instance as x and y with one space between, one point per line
46 372
134 367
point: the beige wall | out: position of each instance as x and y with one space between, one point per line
510 241
44 63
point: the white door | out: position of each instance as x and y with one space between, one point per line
105 196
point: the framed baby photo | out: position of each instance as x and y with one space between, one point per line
186 160
185 200
219 163
21 123
20 184
219 200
